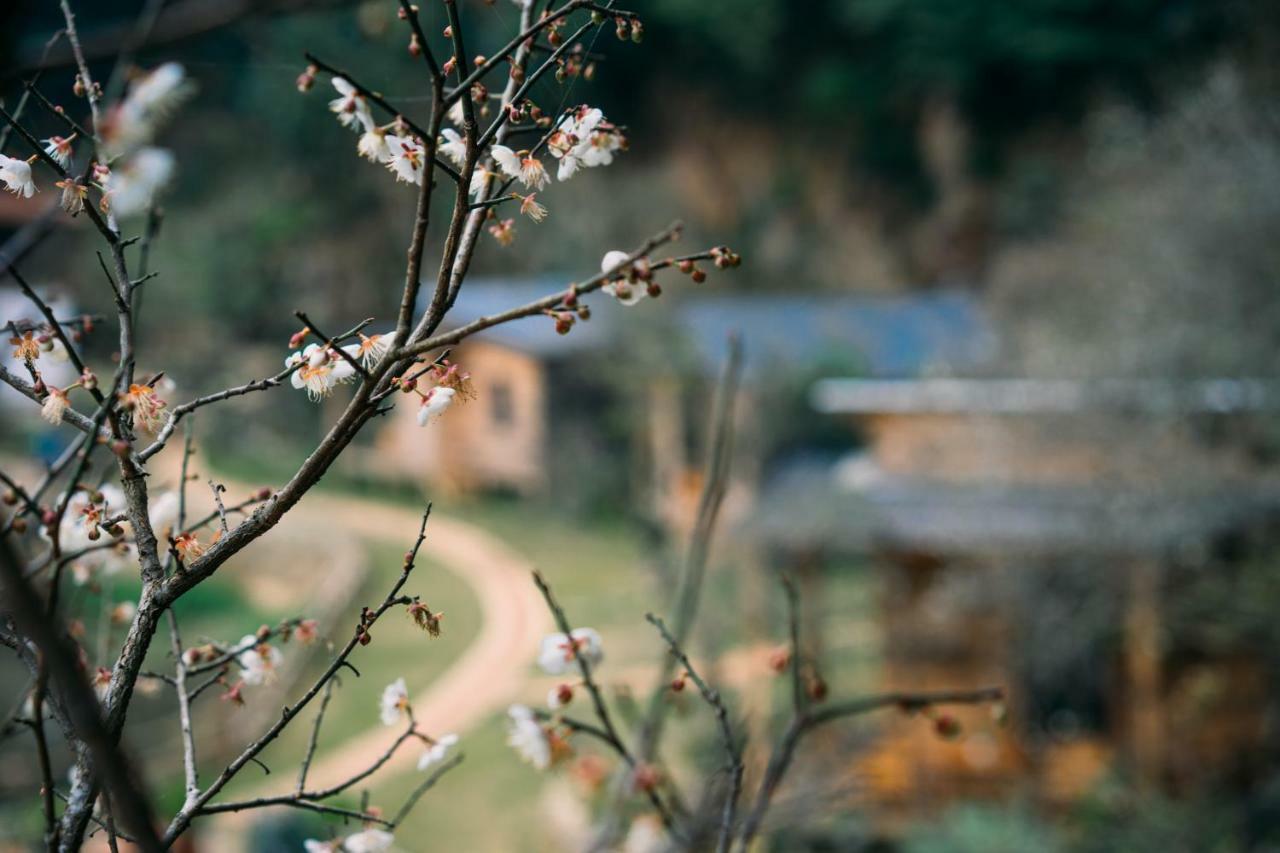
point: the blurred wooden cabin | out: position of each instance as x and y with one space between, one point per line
1029 534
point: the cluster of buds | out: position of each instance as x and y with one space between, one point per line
424 618
564 321
629 28
362 631
450 375
196 655
689 268
307 78
725 258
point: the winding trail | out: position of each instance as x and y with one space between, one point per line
492 671
494 668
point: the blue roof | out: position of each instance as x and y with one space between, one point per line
887 336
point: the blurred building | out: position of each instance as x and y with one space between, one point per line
1032 534
632 382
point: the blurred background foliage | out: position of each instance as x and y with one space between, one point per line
1105 173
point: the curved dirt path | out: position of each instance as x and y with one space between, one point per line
490 673
493 669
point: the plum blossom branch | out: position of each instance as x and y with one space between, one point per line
733 755
608 732
200 805
539 306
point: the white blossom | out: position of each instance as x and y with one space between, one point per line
312 846
395 698
527 737
453 147
131 187
371 349
583 139
559 653
350 106
320 369
54 406
626 292
408 158
373 146
16 175
507 160
531 208
259 662
480 181
151 99
646 835
438 751
59 148
434 402
368 841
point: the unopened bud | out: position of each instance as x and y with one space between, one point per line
646 777
685 266
653 289
698 276
637 31
120 447
677 684
415 47
262 494
19 524
263 632
779 659
10 497
947 727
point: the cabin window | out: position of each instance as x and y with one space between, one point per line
501 406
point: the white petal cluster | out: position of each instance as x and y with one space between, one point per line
438 751
394 700
559 653
453 147
151 100
131 187
527 736
320 369
434 403
584 139
16 175
259 663
350 106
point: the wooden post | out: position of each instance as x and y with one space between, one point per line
1142 661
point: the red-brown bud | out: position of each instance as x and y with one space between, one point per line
947 726
698 276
